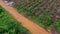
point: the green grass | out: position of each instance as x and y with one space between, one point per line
10 26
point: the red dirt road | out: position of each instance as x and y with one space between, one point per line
31 26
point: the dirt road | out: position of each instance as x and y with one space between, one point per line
31 26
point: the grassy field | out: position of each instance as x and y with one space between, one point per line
10 26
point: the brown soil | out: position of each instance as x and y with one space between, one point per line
31 26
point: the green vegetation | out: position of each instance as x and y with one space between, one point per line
35 10
10 26
57 26
37 13
43 18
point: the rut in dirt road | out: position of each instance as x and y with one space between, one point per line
31 26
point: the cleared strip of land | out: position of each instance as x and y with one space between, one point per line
31 26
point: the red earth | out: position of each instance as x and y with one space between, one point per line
31 26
